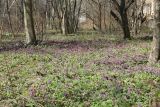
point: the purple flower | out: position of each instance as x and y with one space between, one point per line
32 92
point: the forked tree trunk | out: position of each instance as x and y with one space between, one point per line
29 23
155 52
121 7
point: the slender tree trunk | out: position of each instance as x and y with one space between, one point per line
135 28
63 23
29 22
100 17
63 26
10 19
155 52
1 21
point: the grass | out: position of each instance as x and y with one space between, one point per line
79 71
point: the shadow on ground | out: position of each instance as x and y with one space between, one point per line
72 45
61 45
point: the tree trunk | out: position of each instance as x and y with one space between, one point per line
63 23
122 9
155 52
125 26
135 28
29 23
100 17
63 26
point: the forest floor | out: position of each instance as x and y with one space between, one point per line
79 71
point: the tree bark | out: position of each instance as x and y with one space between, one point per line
155 52
63 23
125 26
29 23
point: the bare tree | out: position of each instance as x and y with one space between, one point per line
29 22
96 11
120 15
137 16
155 52
68 13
